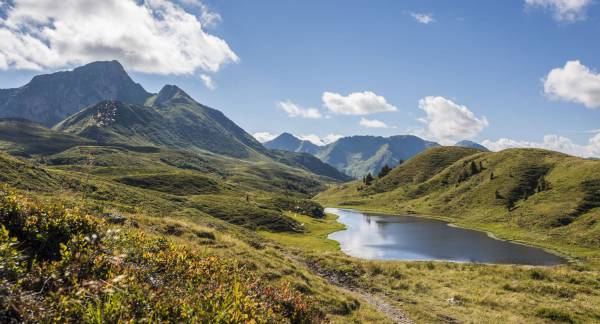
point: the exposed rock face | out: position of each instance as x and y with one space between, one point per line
49 98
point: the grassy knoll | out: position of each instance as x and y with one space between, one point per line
314 236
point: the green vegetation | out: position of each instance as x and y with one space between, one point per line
186 206
24 138
313 238
175 183
63 265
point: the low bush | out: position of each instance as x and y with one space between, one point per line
59 265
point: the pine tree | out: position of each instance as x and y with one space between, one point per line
384 171
369 179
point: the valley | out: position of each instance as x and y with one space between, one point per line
130 206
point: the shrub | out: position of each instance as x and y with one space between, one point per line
301 206
86 272
554 315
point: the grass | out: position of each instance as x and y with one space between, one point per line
314 236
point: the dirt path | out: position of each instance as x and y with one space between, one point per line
377 302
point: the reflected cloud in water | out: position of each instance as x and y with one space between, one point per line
373 236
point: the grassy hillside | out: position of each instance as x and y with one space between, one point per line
175 121
532 195
25 138
73 264
189 237
420 168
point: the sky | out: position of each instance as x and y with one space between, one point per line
512 73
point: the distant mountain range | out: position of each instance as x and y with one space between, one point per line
289 142
470 144
359 155
100 103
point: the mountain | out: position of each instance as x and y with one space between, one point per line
172 119
471 144
288 142
359 155
49 98
310 163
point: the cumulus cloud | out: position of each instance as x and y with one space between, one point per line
563 10
294 110
574 82
154 36
372 123
423 18
356 103
448 122
551 142
208 82
264 136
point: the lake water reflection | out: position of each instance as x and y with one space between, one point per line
373 236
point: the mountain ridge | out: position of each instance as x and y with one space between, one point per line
288 142
49 98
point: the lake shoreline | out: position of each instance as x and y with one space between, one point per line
565 259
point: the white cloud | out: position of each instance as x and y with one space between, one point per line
294 110
551 142
372 123
315 139
356 103
330 138
154 36
207 18
563 10
449 122
208 81
423 18
574 82
264 136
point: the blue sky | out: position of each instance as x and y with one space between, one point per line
477 69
